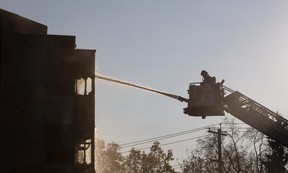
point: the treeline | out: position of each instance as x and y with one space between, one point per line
109 159
244 150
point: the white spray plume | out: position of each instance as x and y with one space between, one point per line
137 86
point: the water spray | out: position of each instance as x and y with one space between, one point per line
140 87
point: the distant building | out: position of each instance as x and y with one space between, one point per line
47 100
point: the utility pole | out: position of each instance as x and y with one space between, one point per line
219 134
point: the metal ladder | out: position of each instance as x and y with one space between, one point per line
256 115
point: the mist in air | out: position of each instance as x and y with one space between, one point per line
110 79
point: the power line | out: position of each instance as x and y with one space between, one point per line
144 141
159 138
183 140
170 143
149 140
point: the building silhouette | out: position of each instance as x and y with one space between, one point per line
47 100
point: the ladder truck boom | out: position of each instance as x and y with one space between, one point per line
257 116
213 99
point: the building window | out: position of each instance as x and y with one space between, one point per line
83 86
83 154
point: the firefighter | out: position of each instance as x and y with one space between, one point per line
207 79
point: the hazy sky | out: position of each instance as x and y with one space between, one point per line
164 44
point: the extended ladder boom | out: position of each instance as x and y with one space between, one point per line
211 98
257 116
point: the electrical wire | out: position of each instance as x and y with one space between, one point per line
149 140
170 143
183 140
144 141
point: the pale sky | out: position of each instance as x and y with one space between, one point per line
164 44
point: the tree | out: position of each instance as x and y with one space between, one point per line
277 158
259 143
194 163
235 148
109 159
156 161
133 162
242 151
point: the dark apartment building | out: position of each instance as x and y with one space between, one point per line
47 100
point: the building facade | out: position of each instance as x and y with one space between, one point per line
47 100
